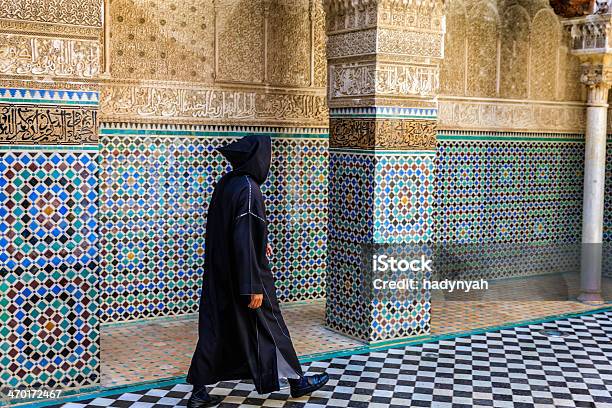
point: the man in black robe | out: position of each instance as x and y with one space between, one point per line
242 334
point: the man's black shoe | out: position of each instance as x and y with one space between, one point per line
307 385
202 399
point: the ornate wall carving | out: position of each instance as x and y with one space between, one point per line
198 62
47 124
514 50
30 55
289 45
76 12
383 79
382 134
499 115
452 68
483 32
410 43
193 105
162 40
546 31
240 40
515 53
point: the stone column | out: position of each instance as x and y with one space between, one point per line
383 77
590 41
594 76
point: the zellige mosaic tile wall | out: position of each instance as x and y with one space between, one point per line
509 205
155 188
49 325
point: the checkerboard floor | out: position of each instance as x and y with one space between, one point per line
517 367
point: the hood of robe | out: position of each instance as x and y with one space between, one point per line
250 155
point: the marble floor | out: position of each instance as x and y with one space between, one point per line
524 367
162 348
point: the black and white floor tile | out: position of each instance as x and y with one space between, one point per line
518 367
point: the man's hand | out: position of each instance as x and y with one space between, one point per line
269 251
256 301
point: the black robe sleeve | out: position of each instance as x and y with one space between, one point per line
249 239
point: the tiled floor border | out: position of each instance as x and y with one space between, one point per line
79 395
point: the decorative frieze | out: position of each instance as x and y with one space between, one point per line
383 79
499 116
383 134
74 12
196 105
350 44
48 124
49 29
30 55
360 14
422 44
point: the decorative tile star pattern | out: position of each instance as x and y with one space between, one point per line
375 198
155 189
49 328
508 208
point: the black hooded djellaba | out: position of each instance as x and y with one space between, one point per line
236 342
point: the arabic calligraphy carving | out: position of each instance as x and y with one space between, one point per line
42 124
28 55
385 134
194 105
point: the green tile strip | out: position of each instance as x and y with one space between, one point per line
101 392
508 137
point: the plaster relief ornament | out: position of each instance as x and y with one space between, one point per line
572 8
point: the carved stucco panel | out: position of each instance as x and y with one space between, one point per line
240 40
30 55
452 67
198 105
289 44
483 32
383 134
351 44
47 124
545 55
410 43
504 116
320 45
75 12
162 40
515 53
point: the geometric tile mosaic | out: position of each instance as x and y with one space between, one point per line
509 208
49 329
404 189
375 198
154 195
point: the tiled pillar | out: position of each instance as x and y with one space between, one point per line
383 61
49 102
